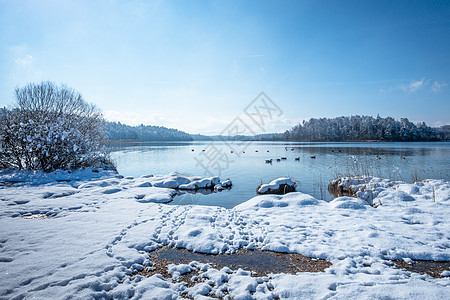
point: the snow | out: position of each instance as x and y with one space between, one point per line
94 232
348 203
178 181
275 184
223 185
408 260
38 177
177 270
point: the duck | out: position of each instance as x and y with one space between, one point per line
268 161
297 158
313 156
284 158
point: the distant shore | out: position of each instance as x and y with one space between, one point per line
259 140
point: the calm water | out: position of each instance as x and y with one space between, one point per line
403 161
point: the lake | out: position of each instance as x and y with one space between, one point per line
244 163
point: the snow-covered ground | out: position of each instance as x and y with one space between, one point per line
98 233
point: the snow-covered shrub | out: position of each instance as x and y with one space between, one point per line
366 188
51 127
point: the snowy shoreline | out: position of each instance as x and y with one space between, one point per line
100 227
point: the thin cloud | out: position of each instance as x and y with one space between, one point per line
437 86
416 85
367 82
161 90
254 55
413 86
24 61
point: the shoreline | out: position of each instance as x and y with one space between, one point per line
95 236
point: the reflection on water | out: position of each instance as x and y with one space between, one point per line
400 161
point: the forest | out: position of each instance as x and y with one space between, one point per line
350 128
119 131
358 128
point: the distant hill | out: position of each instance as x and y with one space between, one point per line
350 128
358 128
116 131
200 137
119 131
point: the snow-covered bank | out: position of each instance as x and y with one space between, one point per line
100 231
39 177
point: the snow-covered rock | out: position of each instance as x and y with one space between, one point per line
278 186
205 183
172 181
177 181
226 183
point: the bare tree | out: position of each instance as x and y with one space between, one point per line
51 127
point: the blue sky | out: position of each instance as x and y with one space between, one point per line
195 65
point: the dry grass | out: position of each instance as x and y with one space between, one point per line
432 268
336 189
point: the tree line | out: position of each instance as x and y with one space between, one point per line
357 128
350 128
119 131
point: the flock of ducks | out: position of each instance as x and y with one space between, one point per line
269 161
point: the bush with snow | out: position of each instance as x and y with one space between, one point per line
51 127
